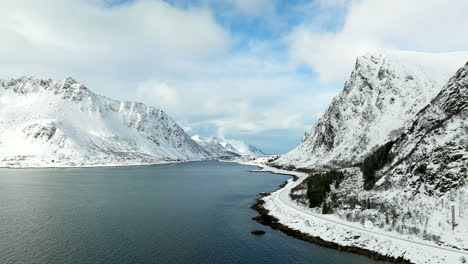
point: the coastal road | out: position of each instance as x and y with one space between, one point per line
282 196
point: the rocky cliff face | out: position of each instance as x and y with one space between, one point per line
382 95
62 123
431 155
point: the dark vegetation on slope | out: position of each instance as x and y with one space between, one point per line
375 162
318 185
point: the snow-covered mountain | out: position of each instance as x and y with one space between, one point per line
431 155
408 185
61 123
241 147
419 175
384 92
228 147
214 147
255 151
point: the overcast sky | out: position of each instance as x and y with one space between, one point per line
262 71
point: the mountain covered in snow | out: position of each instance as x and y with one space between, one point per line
255 151
228 147
62 123
431 155
394 145
411 184
215 147
384 92
241 147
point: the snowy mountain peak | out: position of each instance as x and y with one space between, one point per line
62 123
214 147
228 145
68 88
383 93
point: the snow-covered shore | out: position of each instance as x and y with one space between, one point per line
104 165
348 235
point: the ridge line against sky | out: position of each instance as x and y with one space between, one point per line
261 71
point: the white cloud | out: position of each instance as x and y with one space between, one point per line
422 25
247 105
84 29
331 55
159 93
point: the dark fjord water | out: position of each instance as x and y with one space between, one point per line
178 213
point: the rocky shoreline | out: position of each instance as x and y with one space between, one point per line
266 219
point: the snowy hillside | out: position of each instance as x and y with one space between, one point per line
62 123
431 155
227 147
384 92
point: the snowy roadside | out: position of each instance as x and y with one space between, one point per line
346 234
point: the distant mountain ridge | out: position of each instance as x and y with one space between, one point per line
228 147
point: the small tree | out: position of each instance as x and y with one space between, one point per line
325 208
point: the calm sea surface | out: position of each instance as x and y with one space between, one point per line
179 213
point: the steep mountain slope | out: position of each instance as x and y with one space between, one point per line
62 123
384 92
431 156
